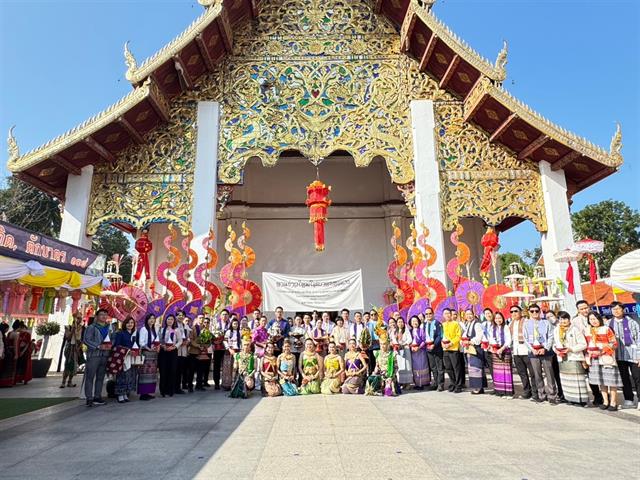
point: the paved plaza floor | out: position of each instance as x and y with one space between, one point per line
421 435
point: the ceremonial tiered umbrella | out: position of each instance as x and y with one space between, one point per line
517 294
567 256
469 296
493 298
589 247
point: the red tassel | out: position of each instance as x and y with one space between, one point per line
592 270
571 288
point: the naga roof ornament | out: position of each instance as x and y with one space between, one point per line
616 143
501 62
130 62
12 146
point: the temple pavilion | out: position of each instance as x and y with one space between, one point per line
231 120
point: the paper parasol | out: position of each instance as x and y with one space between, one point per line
515 276
436 291
587 246
547 298
566 256
194 308
157 307
469 295
418 306
134 302
389 310
494 298
449 302
173 308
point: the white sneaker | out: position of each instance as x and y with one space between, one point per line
628 404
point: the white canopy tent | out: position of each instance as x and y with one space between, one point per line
625 273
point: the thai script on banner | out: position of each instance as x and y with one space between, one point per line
297 293
16 242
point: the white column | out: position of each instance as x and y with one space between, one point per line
427 188
205 175
76 208
559 233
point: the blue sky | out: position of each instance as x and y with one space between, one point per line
575 62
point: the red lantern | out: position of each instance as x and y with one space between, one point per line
143 246
318 203
490 242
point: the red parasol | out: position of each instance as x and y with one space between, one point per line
493 298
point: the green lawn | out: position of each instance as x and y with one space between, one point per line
10 407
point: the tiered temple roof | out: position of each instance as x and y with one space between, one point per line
440 53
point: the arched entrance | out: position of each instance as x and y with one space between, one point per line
365 203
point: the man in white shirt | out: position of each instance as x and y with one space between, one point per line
356 328
182 372
521 354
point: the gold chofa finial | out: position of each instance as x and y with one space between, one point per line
615 149
501 61
129 61
207 3
12 146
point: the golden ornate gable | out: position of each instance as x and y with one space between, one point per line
316 76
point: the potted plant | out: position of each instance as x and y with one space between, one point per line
41 365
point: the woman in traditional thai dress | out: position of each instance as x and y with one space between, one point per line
419 360
297 336
603 370
402 344
333 371
487 326
499 346
320 339
287 370
569 343
260 337
24 371
340 335
72 350
383 381
150 345
472 340
356 368
170 337
232 342
310 368
244 369
269 373
127 376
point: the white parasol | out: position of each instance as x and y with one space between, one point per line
547 298
566 256
587 246
515 276
517 294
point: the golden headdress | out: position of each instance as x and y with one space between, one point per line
245 334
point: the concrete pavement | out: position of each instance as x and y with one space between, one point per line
418 435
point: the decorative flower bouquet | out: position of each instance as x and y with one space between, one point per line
205 337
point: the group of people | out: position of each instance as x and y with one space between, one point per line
582 360
15 354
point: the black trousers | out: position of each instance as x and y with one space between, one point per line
452 362
525 372
192 369
556 373
218 358
298 374
630 376
436 363
202 372
462 370
372 360
597 394
168 366
182 373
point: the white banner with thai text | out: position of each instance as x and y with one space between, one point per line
304 293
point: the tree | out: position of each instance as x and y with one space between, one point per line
612 222
29 208
508 258
109 241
